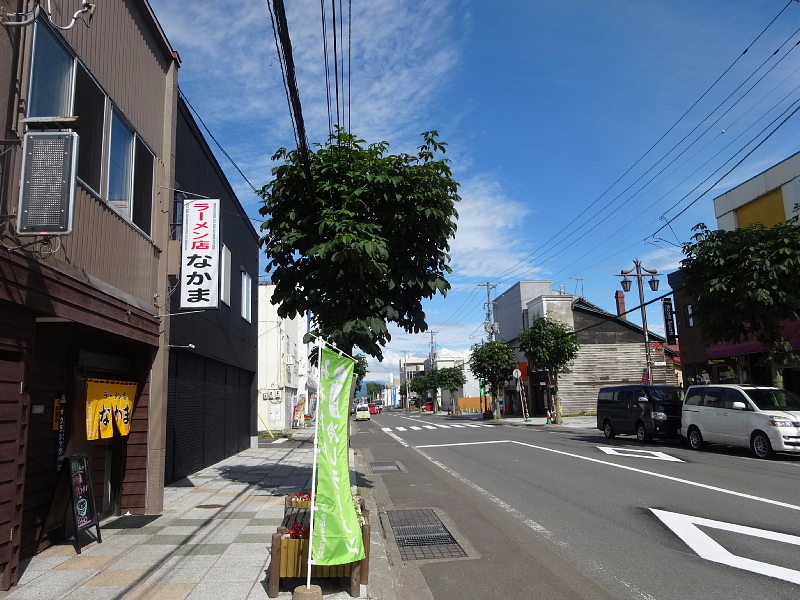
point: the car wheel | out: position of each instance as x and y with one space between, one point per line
760 445
608 431
695 438
641 433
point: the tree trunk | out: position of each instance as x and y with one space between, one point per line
776 371
553 376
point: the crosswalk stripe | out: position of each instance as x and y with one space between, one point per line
400 428
415 427
386 428
471 425
453 425
429 427
443 426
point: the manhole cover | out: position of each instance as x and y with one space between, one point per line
420 535
384 467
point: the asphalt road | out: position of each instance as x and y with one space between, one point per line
564 513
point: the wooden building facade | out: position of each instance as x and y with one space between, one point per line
88 305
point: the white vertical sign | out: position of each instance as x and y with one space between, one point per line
200 254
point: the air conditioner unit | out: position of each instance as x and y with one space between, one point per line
47 189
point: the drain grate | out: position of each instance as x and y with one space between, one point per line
421 535
384 467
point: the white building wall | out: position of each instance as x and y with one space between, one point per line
282 364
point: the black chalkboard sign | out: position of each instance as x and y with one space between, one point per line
74 487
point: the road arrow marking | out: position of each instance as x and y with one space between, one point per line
686 528
638 453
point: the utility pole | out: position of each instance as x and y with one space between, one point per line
433 366
490 326
640 273
404 376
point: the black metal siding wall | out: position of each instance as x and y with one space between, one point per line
208 415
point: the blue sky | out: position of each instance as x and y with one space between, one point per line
549 108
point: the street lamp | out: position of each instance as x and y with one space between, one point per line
640 273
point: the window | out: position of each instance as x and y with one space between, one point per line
246 296
176 228
130 175
120 166
51 76
90 108
714 398
689 315
225 275
695 399
62 86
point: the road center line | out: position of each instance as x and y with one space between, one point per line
626 468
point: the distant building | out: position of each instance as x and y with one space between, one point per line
769 198
286 389
612 348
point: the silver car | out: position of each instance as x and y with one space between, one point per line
765 419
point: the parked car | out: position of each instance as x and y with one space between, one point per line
765 419
374 409
428 406
362 412
644 410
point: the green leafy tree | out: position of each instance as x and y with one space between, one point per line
419 385
494 363
451 378
360 368
374 389
551 346
359 237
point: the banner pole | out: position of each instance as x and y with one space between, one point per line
312 507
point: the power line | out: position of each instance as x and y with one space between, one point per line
671 128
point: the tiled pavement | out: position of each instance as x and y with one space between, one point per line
211 542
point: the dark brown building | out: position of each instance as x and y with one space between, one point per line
90 126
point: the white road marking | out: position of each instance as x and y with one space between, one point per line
429 427
686 528
386 428
442 426
400 428
636 453
279 441
415 427
454 425
471 425
626 468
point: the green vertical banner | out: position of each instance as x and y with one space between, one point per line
336 535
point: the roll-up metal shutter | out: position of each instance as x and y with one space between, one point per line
232 414
189 414
215 413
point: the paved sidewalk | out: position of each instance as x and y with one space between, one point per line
212 541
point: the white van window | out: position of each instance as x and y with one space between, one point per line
774 399
695 398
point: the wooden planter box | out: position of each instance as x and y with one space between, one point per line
290 559
296 502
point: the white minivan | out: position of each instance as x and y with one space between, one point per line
765 419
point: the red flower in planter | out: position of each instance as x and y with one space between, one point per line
298 531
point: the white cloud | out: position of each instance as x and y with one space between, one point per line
488 237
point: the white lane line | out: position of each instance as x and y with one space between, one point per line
686 528
494 499
627 468
636 453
